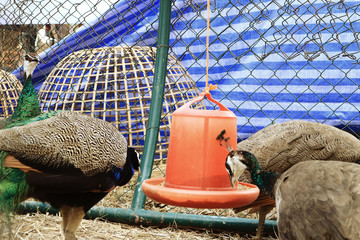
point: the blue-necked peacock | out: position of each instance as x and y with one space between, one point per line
67 159
28 106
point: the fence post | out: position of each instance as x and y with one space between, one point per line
157 98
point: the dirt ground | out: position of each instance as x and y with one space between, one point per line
45 226
34 226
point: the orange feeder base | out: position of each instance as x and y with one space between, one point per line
195 172
199 198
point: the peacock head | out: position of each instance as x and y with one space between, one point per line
235 166
239 161
30 62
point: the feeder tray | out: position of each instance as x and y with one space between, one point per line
154 189
195 172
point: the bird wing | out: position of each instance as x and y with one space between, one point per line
12 162
64 142
319 200
278 147
64 182
70 184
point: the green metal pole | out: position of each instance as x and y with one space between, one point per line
153 218
157 98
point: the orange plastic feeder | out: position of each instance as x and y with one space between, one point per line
195 171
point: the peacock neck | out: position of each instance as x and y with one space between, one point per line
28 103
265 180
124 174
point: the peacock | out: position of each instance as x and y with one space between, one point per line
280 146
28 105
315 199
67 159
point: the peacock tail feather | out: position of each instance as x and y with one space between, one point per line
13 186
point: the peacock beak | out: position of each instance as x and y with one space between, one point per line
229 169
139 172
232 182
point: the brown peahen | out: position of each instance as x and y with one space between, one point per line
67 159
315 199
280 146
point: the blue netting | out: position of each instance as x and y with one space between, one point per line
272 60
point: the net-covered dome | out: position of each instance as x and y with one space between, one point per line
114 84
10 89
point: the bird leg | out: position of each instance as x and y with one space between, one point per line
264 210
65 213
72 217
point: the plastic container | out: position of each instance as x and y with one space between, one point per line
195 172
195 158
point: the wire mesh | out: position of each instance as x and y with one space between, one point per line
273 60
10 88
115 85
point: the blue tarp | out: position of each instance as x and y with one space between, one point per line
272 60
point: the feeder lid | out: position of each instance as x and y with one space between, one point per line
221 112
199 198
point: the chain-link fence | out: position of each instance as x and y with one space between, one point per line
272 60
